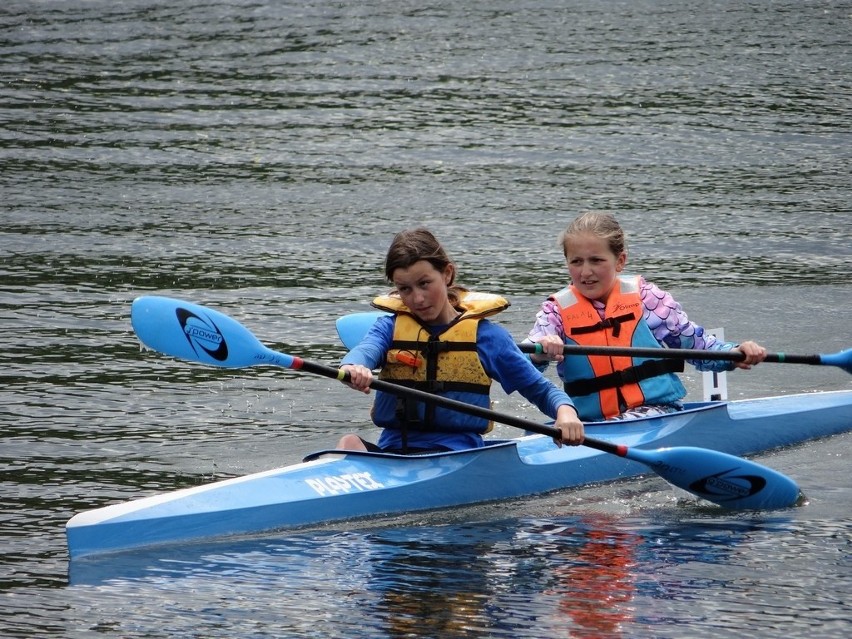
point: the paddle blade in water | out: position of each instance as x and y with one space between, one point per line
192 332
732 482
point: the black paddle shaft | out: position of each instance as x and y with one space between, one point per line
675 353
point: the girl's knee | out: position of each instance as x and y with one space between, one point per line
351 442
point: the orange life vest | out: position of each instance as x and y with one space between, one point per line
603 386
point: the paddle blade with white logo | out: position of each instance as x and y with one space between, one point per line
732 482
196 333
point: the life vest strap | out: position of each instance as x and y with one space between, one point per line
632 375
610 322
435 386
432 346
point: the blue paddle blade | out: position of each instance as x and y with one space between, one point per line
732 482
192 332
843 359
353 327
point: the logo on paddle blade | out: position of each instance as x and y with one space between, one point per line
725 484
202 334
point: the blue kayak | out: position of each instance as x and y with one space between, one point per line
332 486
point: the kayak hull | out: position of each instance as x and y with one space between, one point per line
339 485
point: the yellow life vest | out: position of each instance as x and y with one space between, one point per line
445 363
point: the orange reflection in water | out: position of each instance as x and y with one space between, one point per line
596 583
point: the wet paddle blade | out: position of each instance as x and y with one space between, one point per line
726 480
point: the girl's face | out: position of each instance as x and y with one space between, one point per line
592 265
423 289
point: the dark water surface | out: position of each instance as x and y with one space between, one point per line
257 157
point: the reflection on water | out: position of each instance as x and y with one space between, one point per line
451 580
597 586
579 576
